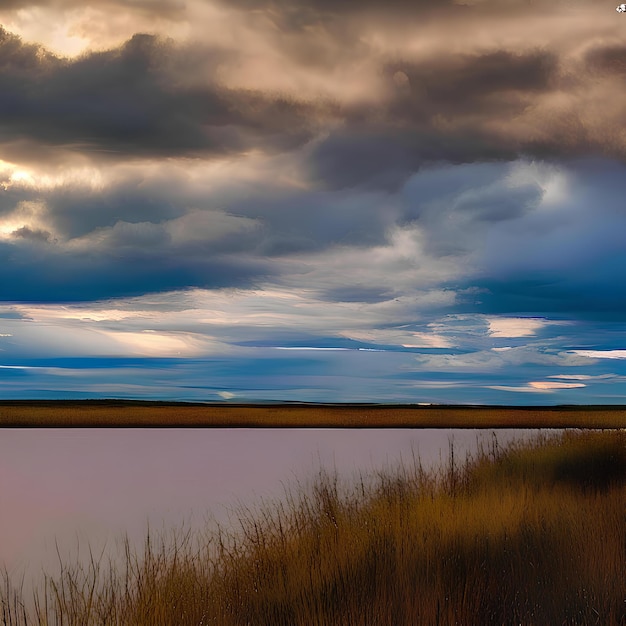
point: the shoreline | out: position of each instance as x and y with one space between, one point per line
162 414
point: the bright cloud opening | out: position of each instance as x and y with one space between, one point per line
515 326
601 354
553 385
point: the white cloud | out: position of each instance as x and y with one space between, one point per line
553 180
44 178
406 339
401 265
601 354
515 326
536 387
62 331
440 384
584 376
162 344
552 385
526 389
198 321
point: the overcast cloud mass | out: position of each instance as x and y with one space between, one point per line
409 201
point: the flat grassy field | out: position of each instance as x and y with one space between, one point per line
124 413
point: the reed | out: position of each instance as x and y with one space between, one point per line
533 533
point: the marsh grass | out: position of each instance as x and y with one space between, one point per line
137 413
533 533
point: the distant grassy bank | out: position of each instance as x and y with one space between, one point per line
128 413
532 533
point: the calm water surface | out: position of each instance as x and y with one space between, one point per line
79 486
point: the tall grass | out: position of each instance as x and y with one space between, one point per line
533 533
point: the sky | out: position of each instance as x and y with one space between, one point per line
248 200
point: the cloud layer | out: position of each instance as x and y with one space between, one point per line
316 175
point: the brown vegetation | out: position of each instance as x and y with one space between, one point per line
137 413
533 533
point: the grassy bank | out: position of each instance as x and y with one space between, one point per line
533 533
137 413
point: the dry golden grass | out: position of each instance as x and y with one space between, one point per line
125 413
533 534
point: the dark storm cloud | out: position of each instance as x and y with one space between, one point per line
332 6
297 14
607 59
17 56
398 6
144 99
138 100
77 212
133 101
36 234
386 159
150 233
438 83
313 221
32 274
580 296
440 114
140 209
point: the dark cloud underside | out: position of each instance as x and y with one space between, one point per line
133 101
127 102
356 157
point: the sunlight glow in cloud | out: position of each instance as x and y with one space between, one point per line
404 338
601 354
27 216
158 344
515 327
553 385
538 387
525 389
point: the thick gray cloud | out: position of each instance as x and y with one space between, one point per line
296 13
334 174
36 234
144 99
387 159
133 263
132 101
455 109
491 233
485 80
607 59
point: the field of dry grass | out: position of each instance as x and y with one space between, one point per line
128 413
532 534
